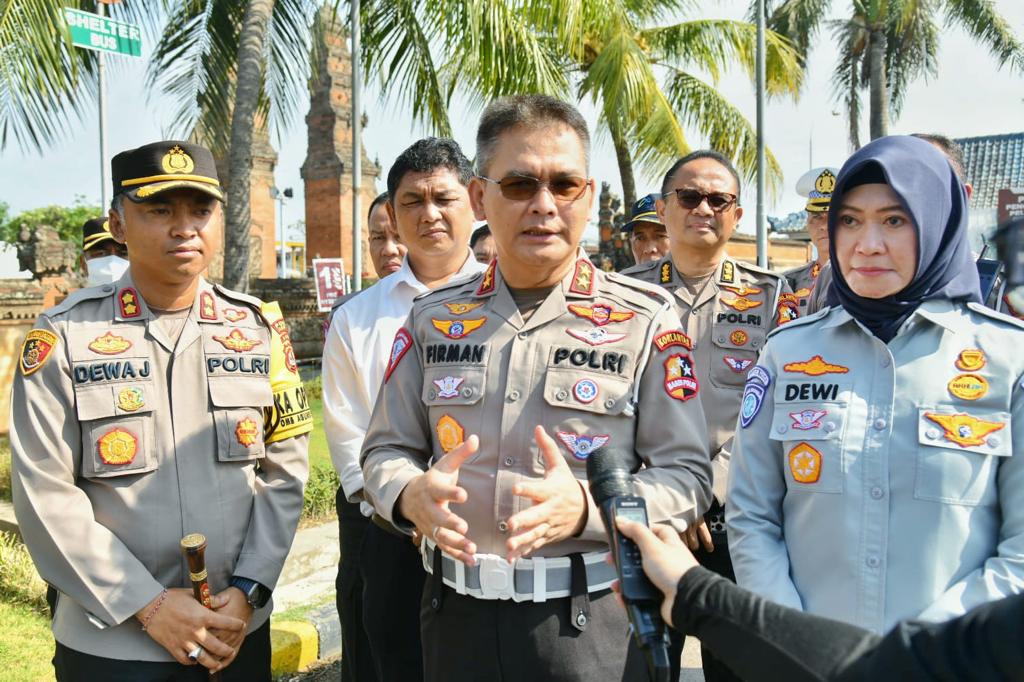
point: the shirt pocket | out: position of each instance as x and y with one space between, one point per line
117 429
811 434
958 455
733 353
452 395
597 393
238 412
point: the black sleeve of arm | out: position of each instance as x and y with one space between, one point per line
761 640
987 643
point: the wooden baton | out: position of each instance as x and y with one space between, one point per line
194 547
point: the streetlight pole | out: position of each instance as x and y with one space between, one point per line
101 79
762 230
280 196
357 152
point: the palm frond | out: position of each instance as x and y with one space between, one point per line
913 47
797 20
982 21
848 76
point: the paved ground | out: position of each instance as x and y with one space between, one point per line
331 672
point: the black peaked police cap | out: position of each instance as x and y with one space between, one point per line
153 168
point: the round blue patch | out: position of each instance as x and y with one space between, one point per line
585 391
753 397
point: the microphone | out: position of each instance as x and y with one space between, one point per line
610 477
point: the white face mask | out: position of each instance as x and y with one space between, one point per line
105 270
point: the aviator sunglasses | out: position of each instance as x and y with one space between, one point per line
691 199
563 188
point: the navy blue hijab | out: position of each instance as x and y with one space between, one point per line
936 200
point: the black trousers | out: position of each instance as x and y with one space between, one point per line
356 657
476 640
393 578
718 562
251 665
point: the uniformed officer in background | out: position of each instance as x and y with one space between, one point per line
148 409
816 184
727 308
498 390
481 242
103 259
648 238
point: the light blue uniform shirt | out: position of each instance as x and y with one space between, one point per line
857 493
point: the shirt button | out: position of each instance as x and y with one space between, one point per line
502 526
721 339
993 442
509 461
880 424
830 426
107 288
467 392
885 362
609 404
873 561
432 394
781 428
877 493
561 395
931 434
513 396
755 343
521 336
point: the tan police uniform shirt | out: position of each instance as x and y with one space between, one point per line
123 442
600 365
727 322
801 280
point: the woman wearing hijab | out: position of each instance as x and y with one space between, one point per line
874 475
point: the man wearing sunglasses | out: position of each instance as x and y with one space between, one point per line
727 308
498 390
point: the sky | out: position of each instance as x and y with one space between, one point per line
969 97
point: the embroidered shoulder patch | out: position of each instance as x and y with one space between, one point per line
673 337
680 378
401 346
36 350
758 381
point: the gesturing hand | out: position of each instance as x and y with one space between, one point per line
559 510
666 559
425 500
181 623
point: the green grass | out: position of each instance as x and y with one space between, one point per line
300 612
5 469
26 645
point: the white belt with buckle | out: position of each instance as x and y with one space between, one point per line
536 580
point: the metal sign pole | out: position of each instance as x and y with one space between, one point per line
357 153
101 68
762 231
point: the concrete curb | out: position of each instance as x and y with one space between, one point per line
298 644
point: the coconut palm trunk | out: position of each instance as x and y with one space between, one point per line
247 92
625 162
879 84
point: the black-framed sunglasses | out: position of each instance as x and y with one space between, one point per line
563 188
691 199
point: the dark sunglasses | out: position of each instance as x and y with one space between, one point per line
521 187
691 199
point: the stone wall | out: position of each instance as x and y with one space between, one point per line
297 298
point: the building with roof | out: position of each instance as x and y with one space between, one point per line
991 163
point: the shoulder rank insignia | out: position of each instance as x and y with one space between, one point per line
130 399
450 433
743 290
815 270
600 314
665 275
802 293
247 431
815 367
970 360
128 299
595 336
582 446
680 379
968 386
805 463
673 337
457 329
740 303
448 387
109 344
462 308
117 447
736 364
963 429
237 341
728 272
582 278
36 350
487 283
234 314
207 306
400 346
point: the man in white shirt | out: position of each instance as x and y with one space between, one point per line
429 204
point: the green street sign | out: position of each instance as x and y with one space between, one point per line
94 32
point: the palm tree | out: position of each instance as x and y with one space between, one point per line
629 57
887 44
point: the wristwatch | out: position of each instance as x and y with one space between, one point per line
255 594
